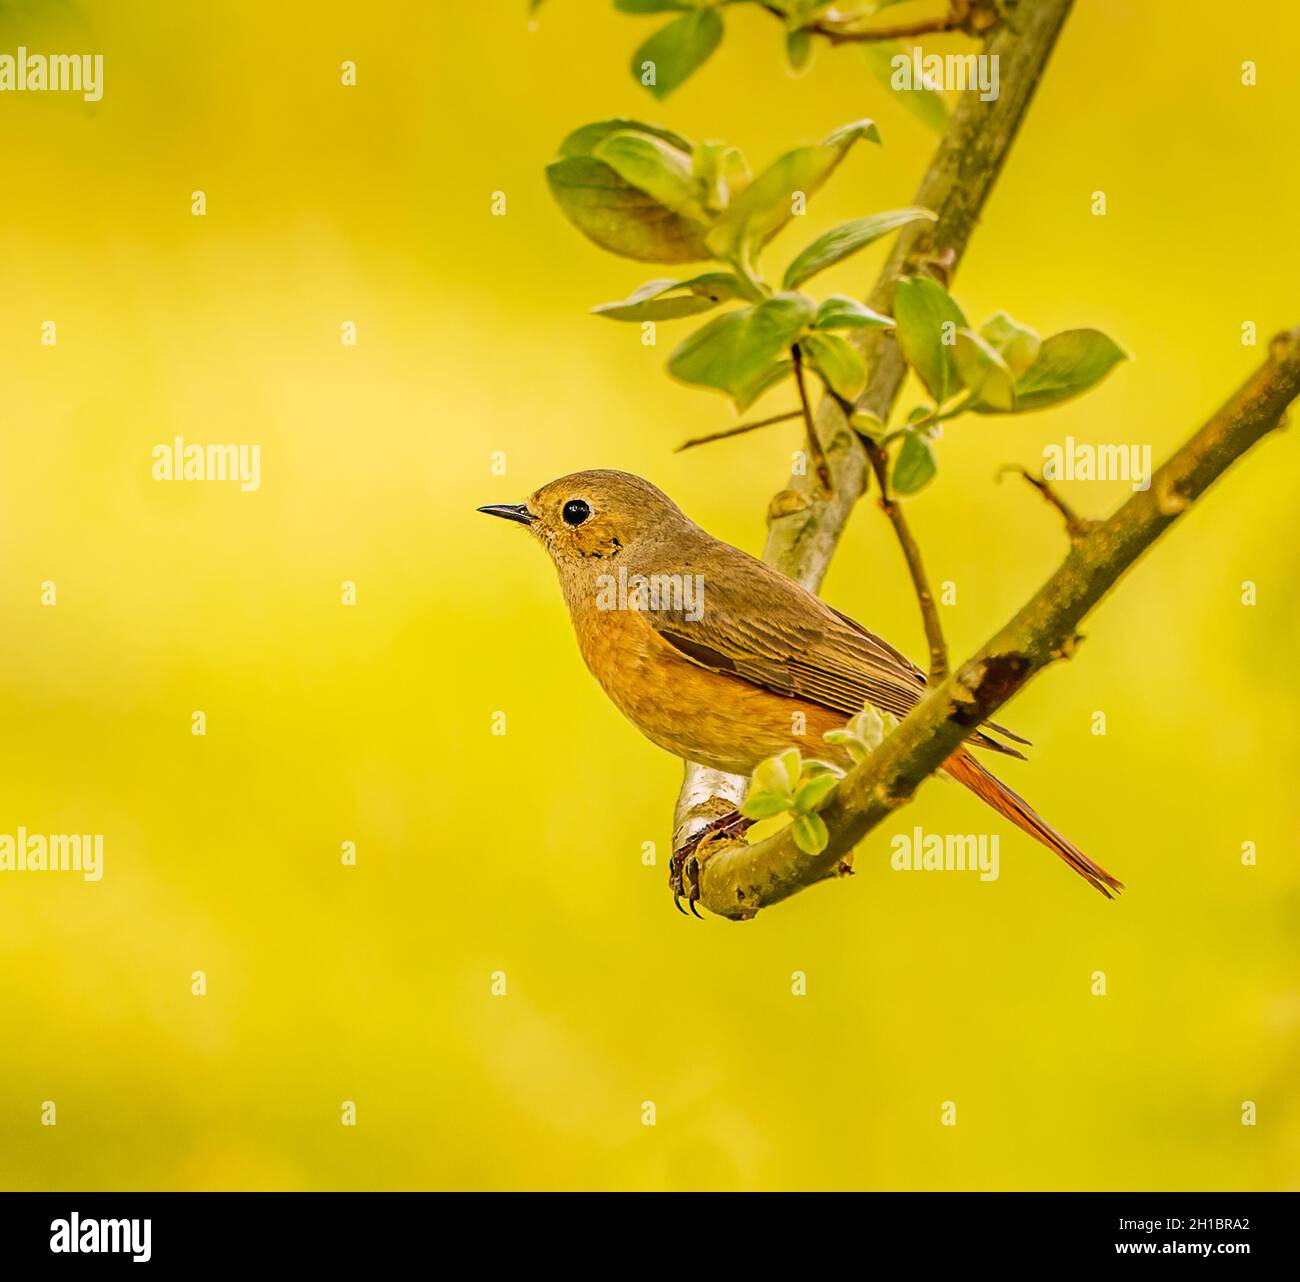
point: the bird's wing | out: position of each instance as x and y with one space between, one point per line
756 624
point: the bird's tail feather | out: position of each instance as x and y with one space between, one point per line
991 790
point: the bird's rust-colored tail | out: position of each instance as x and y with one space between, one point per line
966 770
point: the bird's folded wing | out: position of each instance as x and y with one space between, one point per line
773 633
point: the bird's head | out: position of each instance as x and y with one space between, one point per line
589 519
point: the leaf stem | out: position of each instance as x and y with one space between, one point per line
818 455
916 567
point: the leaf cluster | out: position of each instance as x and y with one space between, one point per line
649 194
787 784
1004 367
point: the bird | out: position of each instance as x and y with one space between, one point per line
718 657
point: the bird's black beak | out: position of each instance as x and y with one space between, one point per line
510 511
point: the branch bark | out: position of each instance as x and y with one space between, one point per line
737 880
805 524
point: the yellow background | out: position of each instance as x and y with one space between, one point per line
522 853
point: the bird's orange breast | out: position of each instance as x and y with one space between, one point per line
703 716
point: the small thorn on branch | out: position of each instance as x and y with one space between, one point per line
940 266
738 430
1076 527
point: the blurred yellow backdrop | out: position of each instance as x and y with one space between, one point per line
522 853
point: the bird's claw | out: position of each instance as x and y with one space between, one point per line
684 875
684 866
684 879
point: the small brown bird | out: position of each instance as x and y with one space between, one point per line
712 653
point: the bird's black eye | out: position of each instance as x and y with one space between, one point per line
576 511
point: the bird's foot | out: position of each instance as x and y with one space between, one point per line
684 866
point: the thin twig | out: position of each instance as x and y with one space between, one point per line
836 34
904 31
738 430
818 454
912 555
1077 527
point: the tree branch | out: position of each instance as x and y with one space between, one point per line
737 880
804 525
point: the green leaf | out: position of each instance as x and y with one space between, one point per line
798 50
984 372
838 362
1015 343
764 805
722 171
841 312
812 792
868 424
846 135
1068 364
674 52
738 353
583 140
771 776
850 742
922 310
915 464
869 726
846 239
767 204
793 764
607 209
774 375
814 768
664 300
651 6
926 105
810 834
653 166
